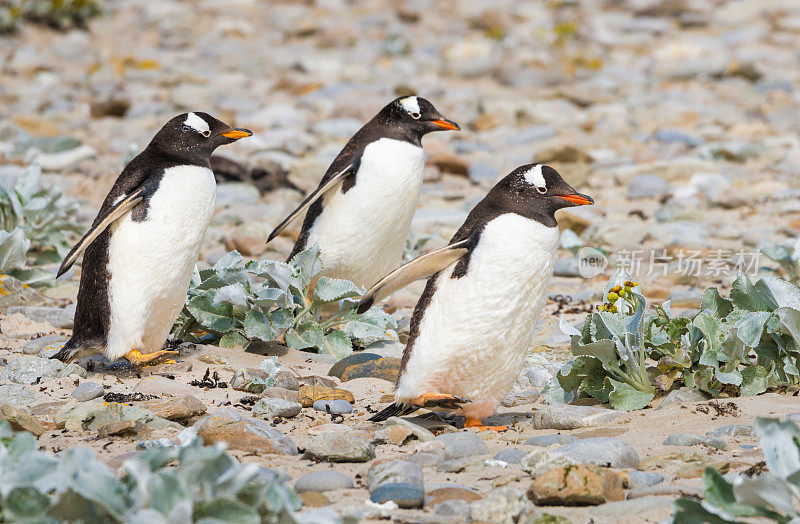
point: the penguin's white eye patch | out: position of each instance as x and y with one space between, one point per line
415 116
411 105
535 178
206 134
198 124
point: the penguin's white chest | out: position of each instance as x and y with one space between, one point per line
361 233
476 330
150 261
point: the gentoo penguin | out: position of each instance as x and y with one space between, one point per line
144 243
474 323
360 214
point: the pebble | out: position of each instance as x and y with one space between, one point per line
510 455
251 435
269 408
385 368
686 439
550 440
350 360
176 408
502 505
541 460
684 394
21 419
394 434
307 395
566 416
452 508
18 394
87 391
393 472
334 407
35 346
93 414
339 447
520 398
644 479
604 451
281 393
64 159
31 369
327 480
286 380
478 173
418 431
578 485
648 186
405 495
462 444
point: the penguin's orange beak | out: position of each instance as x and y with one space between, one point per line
447 124
578 199
236 134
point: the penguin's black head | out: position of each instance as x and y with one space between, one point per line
537 190
194 136
417 116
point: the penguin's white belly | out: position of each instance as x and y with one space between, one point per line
151 261
361 233
475 332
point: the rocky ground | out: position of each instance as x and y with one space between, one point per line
678 117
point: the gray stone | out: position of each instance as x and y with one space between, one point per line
671 490
327 480
269 408
502 505
541 460
459 465
340 127
604 451
406 496
687 439
510 455
648 186
393 472
35 346
87 391
18 394
422 434
246 434
531 134
286 380
30 369
335 407
684 394
94 414
55 316
236 193
673 136
425 459
452 508
644 479
550 440
462 444
478 173
566 416
520 397
339 447
624 508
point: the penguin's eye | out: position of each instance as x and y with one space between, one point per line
415 116
206 134
541 190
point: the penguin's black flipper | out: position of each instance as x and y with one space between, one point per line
100 224
420 267
323 188
394 409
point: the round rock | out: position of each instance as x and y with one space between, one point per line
335 407
328 480
405 495
87 391
269 408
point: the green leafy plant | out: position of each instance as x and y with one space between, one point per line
44 214
742 345
237 302
788 258
415 243
58 14
179 483
13 249
773 496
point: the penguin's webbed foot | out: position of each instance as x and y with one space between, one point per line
439 400
137 358
477 423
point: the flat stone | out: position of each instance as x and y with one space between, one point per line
18 394
648 186
35 346
461 464
30 369
421 433
120 428
425 459
521 398
21 419
282 393
287 380
269 408
511 455
335 407
307 395
684 394
604 451
644 479
90 415
672 490
181 408
385 368
350 360
438 495
625 508
392 472
734 430
686 439
462 444
87 391
339 447
550 440
321 481
406 496
501 505
394 434
15 293
244 434
566 416
576 485
452 508
541 460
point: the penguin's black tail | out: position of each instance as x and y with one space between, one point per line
75 349
395 409
68 352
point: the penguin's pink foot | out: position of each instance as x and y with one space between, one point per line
477 423
438 400
137 358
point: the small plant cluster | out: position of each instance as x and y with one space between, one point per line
44 214
238 302
742 345
773 496
58 14
13 258
788 258
178 483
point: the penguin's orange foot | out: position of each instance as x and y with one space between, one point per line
476 423
137 358
438 400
